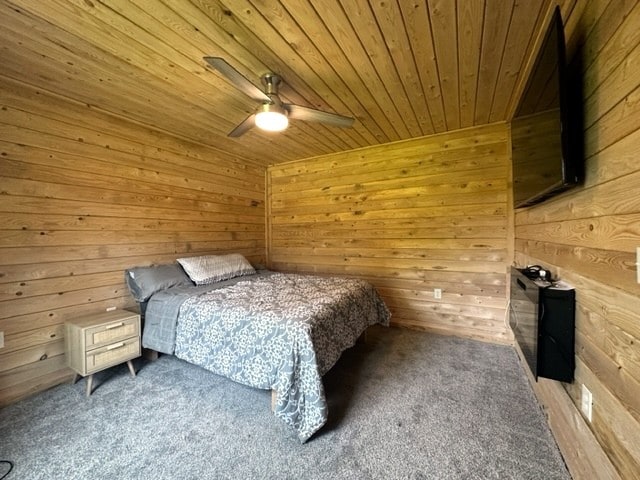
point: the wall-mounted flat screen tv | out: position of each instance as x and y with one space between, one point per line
546 152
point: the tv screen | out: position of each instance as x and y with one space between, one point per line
541 132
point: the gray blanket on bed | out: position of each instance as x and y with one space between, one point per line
163 308
280 332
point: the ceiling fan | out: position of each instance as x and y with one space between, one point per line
272 115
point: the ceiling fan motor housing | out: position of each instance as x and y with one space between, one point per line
272 108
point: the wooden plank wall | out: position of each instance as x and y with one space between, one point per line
84 196
409 217
589 235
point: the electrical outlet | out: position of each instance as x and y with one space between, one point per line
586 405
437 293
1 339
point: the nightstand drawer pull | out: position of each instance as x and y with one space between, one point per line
115 345
114 325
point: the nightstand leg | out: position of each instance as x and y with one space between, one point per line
130 365
75 378
89 384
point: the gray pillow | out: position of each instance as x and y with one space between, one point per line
215 268
145 281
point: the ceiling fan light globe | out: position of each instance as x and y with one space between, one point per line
271 121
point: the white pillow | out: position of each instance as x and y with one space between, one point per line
215 268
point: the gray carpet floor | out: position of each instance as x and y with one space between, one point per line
405 405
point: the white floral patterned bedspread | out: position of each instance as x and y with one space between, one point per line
281 332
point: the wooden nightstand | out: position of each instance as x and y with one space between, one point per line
101 340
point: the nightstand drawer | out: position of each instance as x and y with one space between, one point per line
119 329
112 354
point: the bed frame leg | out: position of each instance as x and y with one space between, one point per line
274 395
149 354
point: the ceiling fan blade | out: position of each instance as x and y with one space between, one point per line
237 79
246 125
298 112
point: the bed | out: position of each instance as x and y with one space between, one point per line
261 328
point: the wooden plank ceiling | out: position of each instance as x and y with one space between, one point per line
402 68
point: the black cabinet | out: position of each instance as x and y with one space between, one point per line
542 317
